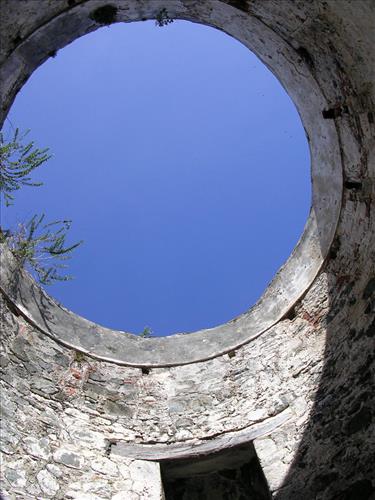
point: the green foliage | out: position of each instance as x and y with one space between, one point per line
41 248
162 18
146 333
17 161
78 357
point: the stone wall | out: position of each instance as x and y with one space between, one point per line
77 425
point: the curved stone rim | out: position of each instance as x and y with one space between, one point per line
294 277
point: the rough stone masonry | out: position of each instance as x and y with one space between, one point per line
279 403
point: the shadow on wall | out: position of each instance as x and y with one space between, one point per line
336 455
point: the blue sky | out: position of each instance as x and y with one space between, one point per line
183 165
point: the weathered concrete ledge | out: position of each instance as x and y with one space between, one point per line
195 449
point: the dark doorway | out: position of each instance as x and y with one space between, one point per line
233 474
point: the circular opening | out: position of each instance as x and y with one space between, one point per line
183 164
294 277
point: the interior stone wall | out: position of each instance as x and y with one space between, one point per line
75 426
